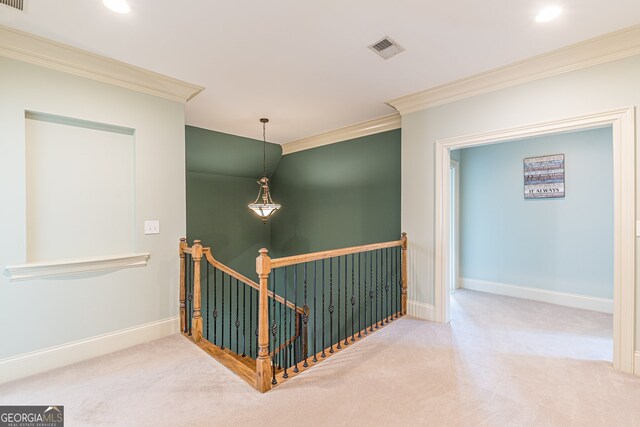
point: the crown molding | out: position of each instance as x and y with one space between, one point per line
610 47
369 127
36 50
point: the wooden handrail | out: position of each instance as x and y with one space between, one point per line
265 376
231 272
314 256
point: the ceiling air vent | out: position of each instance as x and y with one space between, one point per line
386 48
16 4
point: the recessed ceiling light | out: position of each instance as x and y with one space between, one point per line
549 13
119 6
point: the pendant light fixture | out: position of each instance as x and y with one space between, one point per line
266 207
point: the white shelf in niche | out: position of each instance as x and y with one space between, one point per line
67 267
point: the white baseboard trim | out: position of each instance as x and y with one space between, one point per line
35 362
602 305
636 363
421 310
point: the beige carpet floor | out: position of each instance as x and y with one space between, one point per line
501 362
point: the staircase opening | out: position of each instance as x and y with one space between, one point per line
302 310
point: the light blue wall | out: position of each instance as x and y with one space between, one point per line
563 245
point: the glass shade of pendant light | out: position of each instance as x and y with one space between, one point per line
263 206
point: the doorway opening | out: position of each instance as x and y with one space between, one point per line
533 232
622 123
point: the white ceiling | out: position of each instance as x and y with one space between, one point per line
306 65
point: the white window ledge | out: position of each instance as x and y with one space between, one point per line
74 266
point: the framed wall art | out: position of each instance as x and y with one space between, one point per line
544 177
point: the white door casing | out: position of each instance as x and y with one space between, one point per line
622 122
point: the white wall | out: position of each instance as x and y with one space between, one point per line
40 314
599 88
78 178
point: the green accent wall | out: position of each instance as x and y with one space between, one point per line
338 195
220 153
222 171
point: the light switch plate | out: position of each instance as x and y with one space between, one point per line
152 227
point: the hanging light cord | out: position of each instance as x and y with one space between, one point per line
264 148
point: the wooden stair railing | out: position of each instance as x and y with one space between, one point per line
320 282
213 332
297 295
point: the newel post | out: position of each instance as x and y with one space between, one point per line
263 362
183 307
404 273
196 323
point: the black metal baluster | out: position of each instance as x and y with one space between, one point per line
215 306
279 329
391 282
371 290
296 354
273 329
331 305
383 284
230 314
206 303
191 295
381 276
339 275
276 353
399 275
392 301
360 296
377 285
386 285
244 320
346 291
283 331
237 319
186 293
315 325
187 278
222 273
286 325
366 294
305 320
193 284
251 334
353 298
323 314
394 279
257 315
397 282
